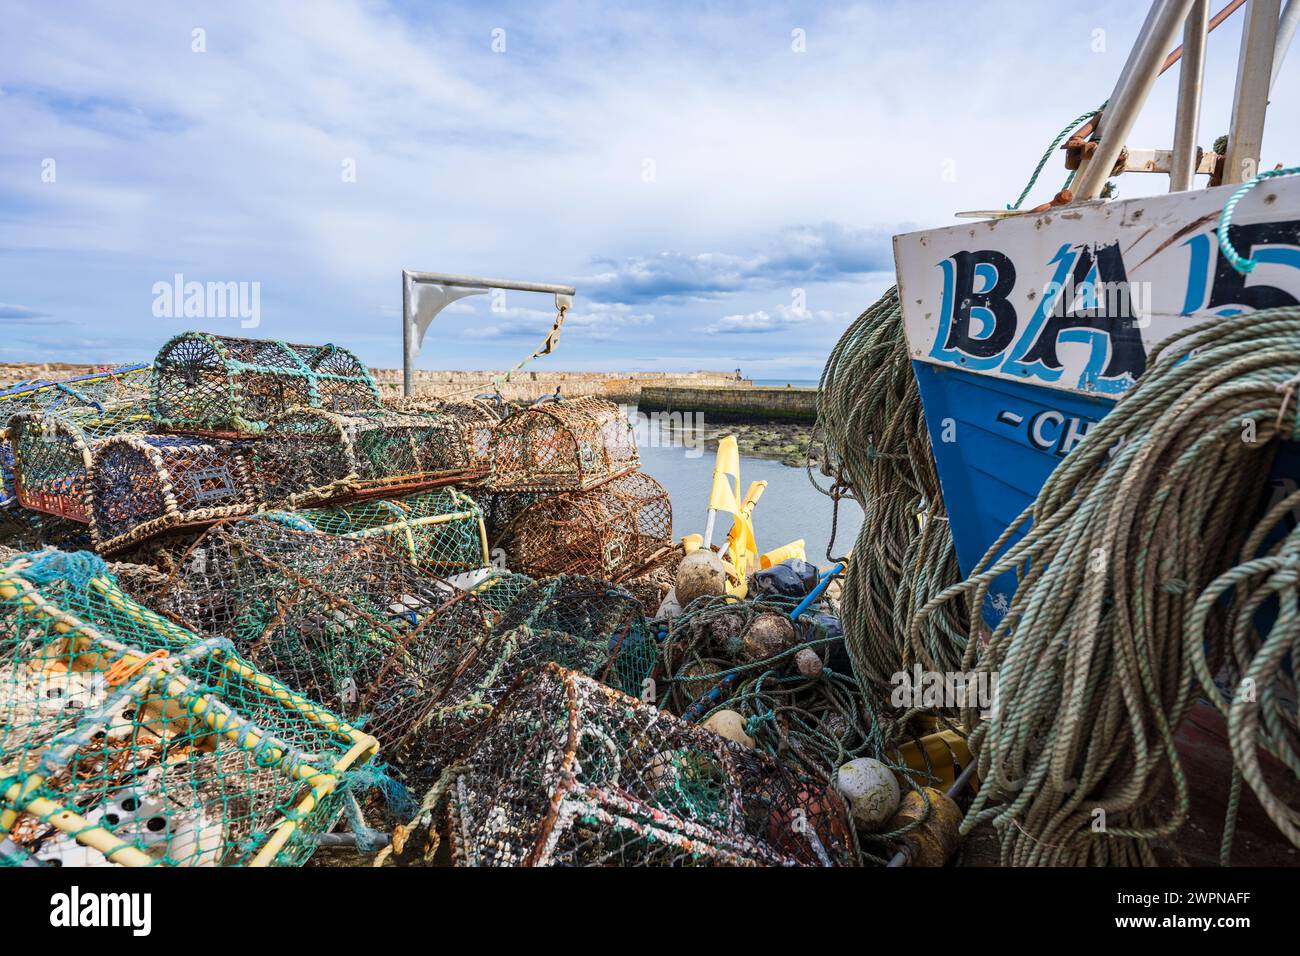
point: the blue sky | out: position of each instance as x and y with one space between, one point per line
680 163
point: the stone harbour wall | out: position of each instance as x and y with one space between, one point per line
523 386
738 403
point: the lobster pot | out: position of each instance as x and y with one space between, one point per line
440 531
476 419
143 485
46 427
500 589
481 675
222 386
51 464
501 509
310 456
348 622
107 403
563 445
591 610
26 530
610 531
127 739
569 772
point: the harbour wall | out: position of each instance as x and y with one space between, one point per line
523 386
738 403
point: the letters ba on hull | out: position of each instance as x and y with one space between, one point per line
1076 298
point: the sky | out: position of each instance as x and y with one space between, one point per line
719 181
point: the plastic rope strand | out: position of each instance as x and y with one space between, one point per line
1239 262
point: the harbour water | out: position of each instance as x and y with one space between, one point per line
790 508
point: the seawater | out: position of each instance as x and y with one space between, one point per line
790 507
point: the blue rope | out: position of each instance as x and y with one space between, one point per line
1243 265
75 567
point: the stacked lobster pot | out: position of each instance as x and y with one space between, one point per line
58 422
565 495
344 619
227 426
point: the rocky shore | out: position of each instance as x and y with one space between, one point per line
778 441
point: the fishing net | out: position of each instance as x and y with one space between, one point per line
127 739
611 531
99 403
440 532
142 485
592 611
745 656
569 444
344 621
225 386
311 456
570 772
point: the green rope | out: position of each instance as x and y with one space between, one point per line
1060 138
878 447
1235 259
1096 659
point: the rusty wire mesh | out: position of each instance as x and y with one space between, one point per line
224 386
311 456
569 772
101 403
611 531
125 738
569 444
349 622
143 485
439 531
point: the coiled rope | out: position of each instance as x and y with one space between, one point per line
1117 612
877 445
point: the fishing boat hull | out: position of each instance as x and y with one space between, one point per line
1025 331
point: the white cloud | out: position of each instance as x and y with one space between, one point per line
771 169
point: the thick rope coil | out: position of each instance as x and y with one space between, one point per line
1117 610
869 412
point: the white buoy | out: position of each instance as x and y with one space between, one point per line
729 724
871 790
700 573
